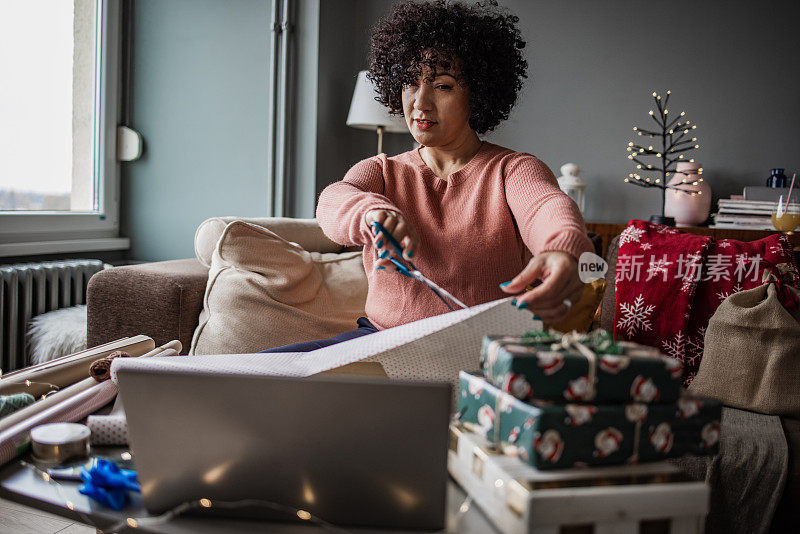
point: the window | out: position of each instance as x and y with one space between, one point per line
58 114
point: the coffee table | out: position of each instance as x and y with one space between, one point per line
23 485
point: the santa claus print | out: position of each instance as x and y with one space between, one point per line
607 442
486 418
643 389
636 413
517 386
613 364
577 389
578 414
710 434
661 438
550 362
674 366
688 407
513 436
475 386
549 445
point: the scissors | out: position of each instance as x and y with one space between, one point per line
410 270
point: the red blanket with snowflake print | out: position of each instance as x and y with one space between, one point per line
657 273
669 284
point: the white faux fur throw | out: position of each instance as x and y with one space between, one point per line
57 333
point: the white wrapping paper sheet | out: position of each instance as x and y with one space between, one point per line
436 348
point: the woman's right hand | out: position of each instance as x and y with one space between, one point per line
401 230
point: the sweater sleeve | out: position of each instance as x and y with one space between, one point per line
548 219
343 205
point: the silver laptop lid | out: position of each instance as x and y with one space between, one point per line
350 450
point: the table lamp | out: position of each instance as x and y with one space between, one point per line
369 114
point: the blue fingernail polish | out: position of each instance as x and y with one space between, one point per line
375 228
513 302
379 244
504 284
384 254
410 254
522 305
379 267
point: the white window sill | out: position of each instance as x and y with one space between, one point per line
59 247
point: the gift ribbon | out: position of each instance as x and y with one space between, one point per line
573 340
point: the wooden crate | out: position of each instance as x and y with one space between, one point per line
652 498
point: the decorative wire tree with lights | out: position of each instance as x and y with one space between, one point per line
675 143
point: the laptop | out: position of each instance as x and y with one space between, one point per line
351 450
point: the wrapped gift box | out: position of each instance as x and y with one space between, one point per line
549 435
580 367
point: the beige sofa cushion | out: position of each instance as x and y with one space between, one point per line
264 291
304 232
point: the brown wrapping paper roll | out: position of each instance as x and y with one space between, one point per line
70 369
79 387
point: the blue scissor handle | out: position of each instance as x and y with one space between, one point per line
389 237
402 268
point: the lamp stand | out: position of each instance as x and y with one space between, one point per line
380 138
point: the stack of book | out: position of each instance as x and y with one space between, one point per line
744 214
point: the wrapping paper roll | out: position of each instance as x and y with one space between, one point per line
11 403
15 440
112 429
46 403
436 348
68 370
67 393
109 429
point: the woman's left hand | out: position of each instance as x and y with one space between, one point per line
558 272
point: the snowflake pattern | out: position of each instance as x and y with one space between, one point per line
630 234
658 267
663 229
724 244
694 347
646 246
686 348
688 285
776 249
722 295
635 316
675 347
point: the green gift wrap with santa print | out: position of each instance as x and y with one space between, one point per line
552 436
580 368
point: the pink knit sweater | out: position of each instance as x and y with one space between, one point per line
477 229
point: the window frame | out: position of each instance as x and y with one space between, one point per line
42 232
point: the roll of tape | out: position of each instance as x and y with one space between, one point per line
58 442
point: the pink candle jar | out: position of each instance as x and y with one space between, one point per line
692 204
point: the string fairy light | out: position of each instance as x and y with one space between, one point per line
672 135
138 522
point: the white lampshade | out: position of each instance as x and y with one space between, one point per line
367 113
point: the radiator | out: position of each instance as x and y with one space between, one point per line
30 289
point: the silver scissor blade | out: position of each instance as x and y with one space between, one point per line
419 276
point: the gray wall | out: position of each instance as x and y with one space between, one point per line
200 86
343 48
200 101
731 65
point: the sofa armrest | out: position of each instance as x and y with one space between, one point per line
161 300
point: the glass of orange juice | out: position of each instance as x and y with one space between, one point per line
786 216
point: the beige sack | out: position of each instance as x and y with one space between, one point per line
751 358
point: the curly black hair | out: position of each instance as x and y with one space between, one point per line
481 40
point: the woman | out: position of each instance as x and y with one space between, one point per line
468 212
